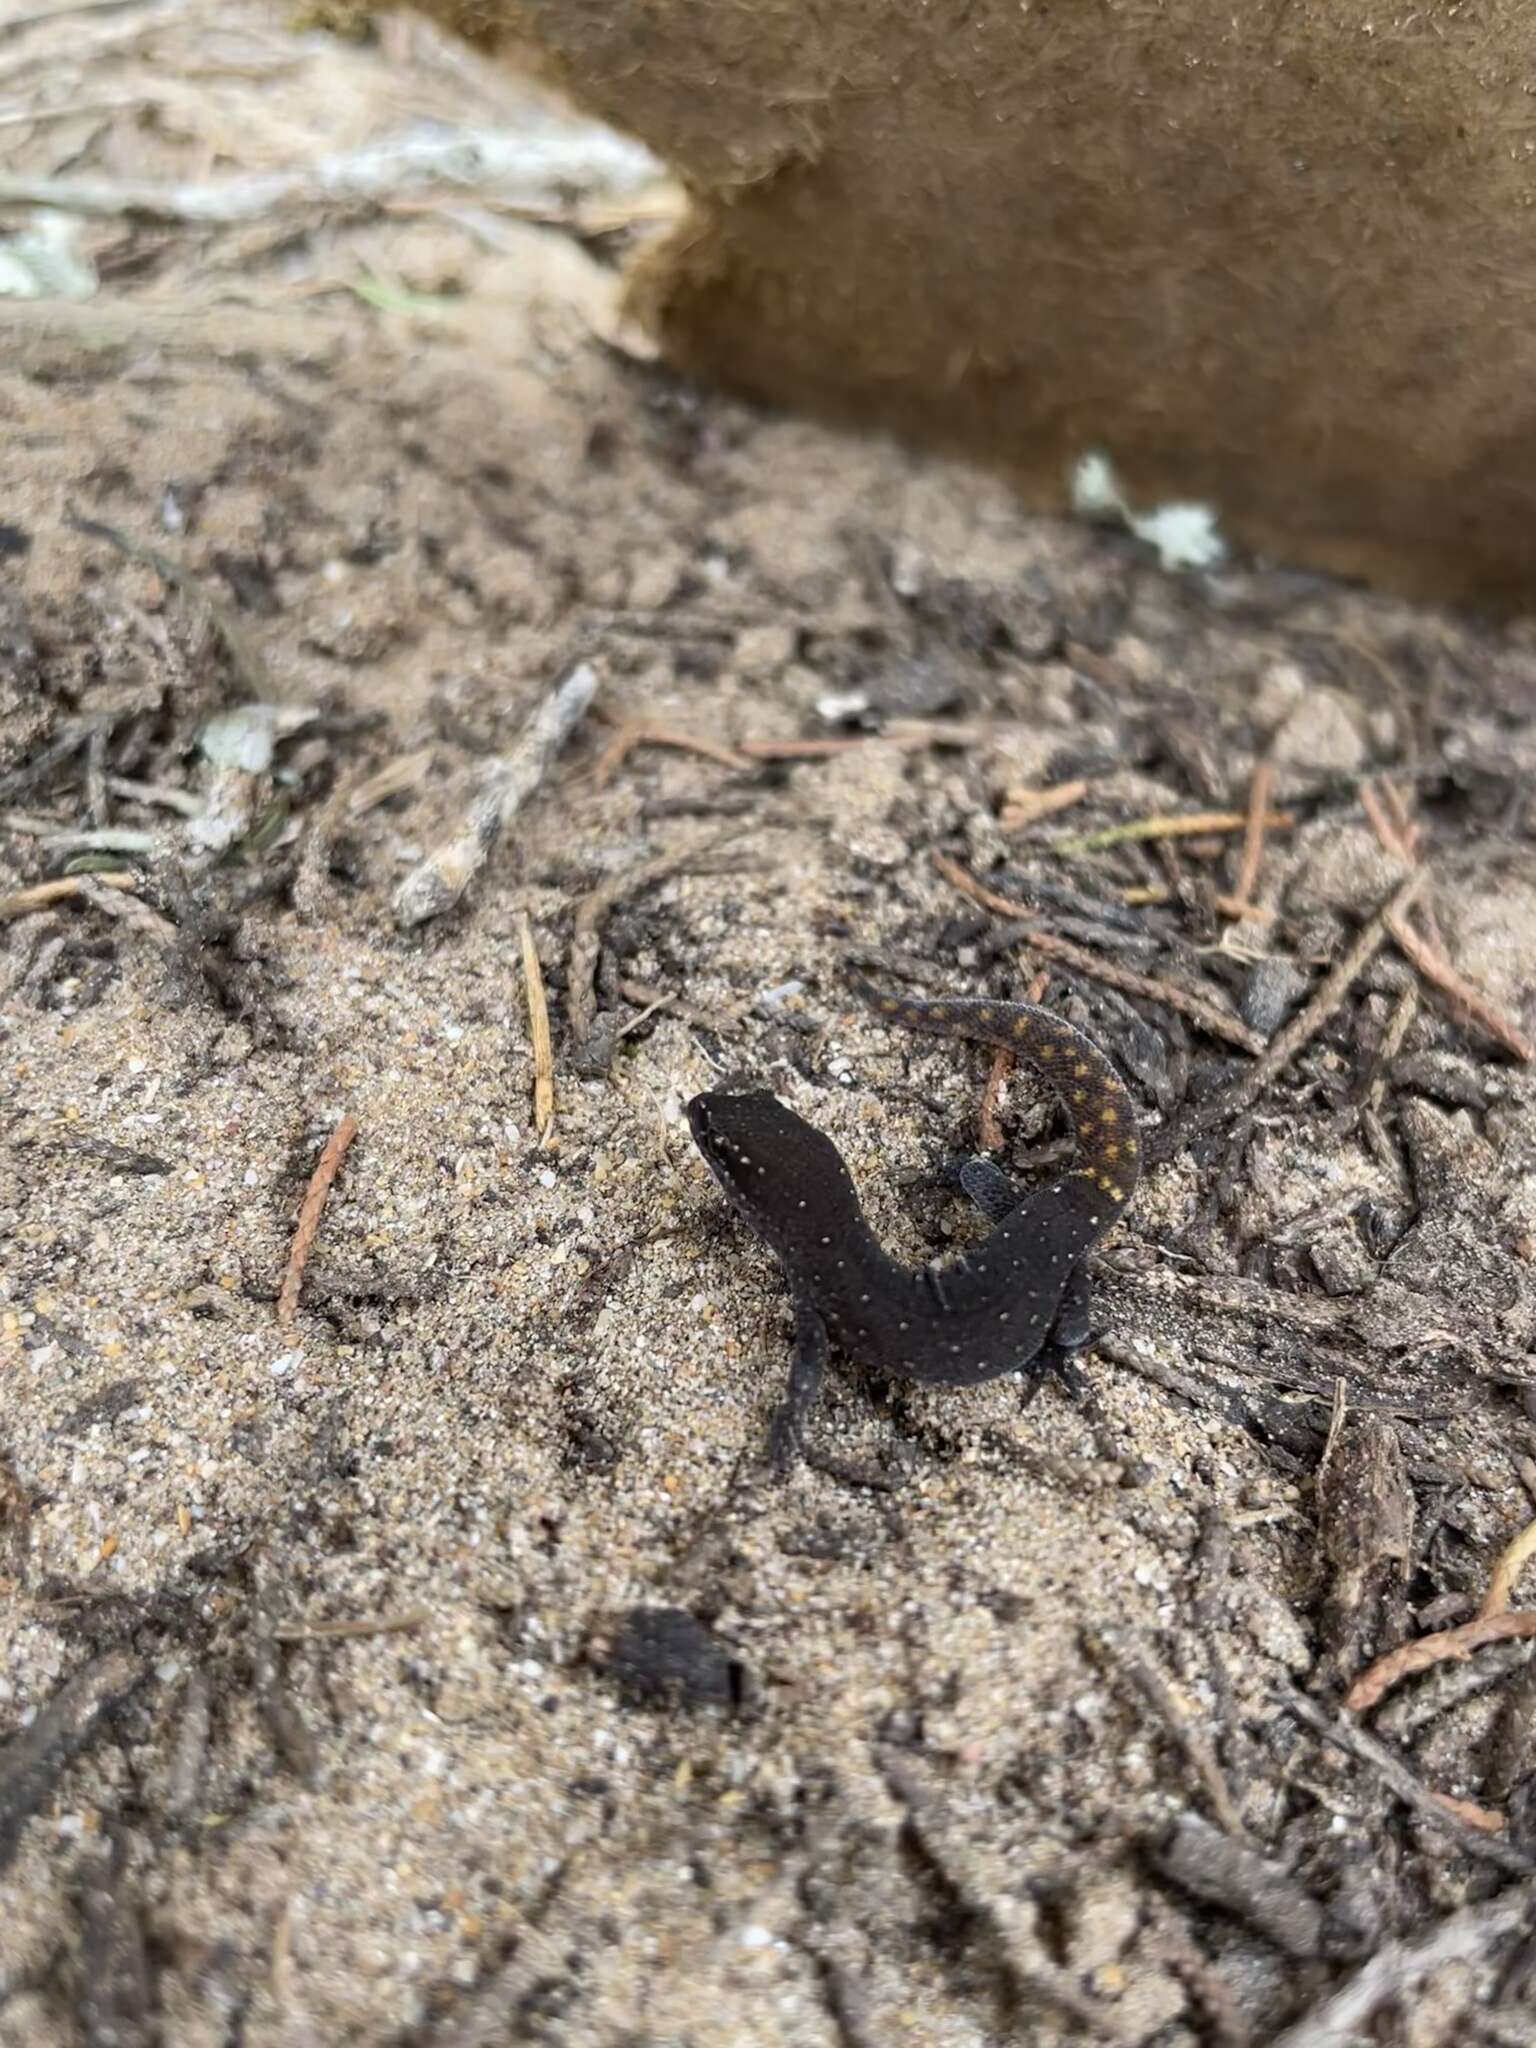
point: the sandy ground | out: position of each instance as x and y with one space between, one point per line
447 1667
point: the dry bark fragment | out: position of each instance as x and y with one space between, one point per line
1365 1529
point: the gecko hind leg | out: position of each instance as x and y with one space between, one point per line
996 1196
986 1184
1071 1332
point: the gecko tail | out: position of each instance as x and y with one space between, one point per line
1083 1078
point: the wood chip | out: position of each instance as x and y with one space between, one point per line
1511 1562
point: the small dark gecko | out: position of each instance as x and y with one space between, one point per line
1019 1299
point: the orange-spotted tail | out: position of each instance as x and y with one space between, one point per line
1095 1098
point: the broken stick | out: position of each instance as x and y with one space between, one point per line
309 1216
437 883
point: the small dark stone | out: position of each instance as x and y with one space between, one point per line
593 1058
985 618
1270 994
14 542
106 1406
908 688
589 1448
1340 1261
664 1656
250 581
1383 1225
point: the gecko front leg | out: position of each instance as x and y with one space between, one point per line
808 1367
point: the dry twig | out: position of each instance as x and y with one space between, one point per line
1386 829
587 925
628 737
32 1762
525 167
350 1631
22 902
968 1868
909 734
1398 1968
1336 984
1022 807
1218 1022
1254 830
1404 1010
1193 825
1400 836
437 883
1410 828
189 1757
1307 1022
1128 1658
165 794
309 1216
538 1031
1473 1007
1493 1623
1357 1742
1470 1814
127 909
1237 1878
651 999
1203 1979
219 616
404 772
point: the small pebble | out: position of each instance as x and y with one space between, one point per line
1270 994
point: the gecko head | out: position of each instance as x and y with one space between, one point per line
763 1155
744 1137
